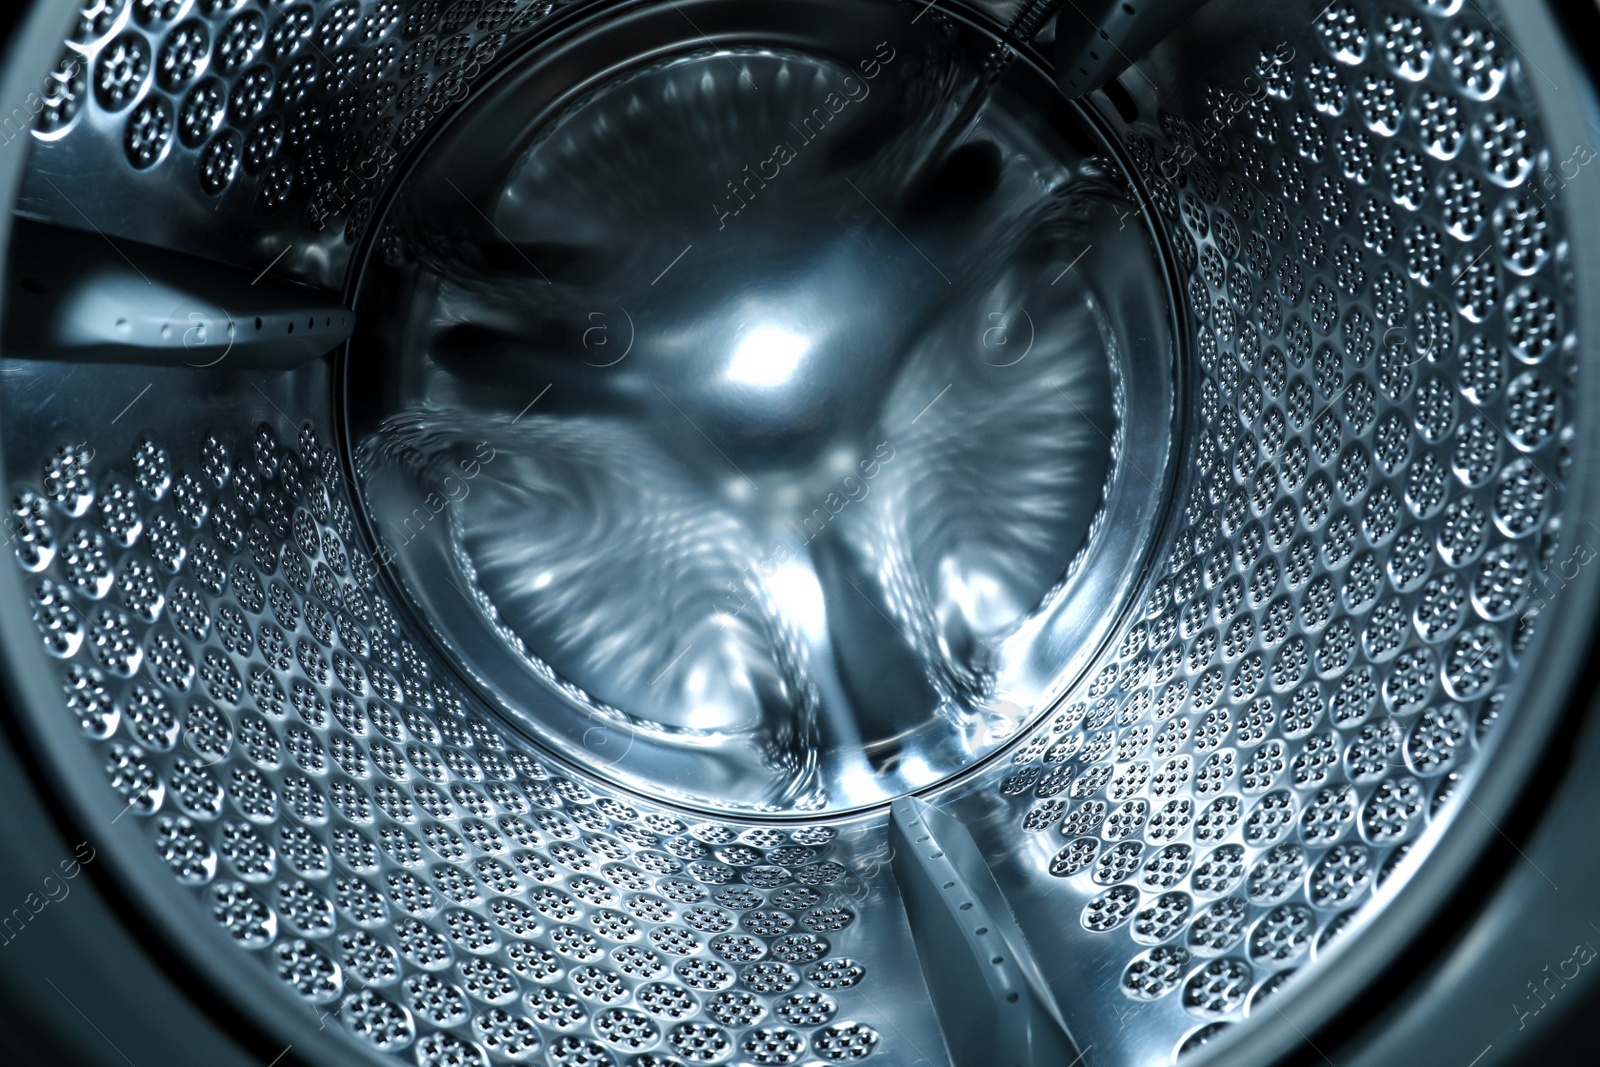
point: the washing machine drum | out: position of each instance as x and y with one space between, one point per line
703 532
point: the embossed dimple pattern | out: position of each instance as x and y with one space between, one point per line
1372 262
309 103
1385 366
353 821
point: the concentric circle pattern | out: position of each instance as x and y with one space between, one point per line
1365 221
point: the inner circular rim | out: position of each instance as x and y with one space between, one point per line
1548 683
1105 571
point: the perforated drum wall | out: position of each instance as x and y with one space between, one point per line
1377 368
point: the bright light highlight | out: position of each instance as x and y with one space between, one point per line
767 357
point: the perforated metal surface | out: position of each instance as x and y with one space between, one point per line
398 860
1379 321
281 122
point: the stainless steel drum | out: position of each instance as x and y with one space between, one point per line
816 531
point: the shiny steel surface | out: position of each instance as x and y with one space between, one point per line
490 770
1371 520
766 478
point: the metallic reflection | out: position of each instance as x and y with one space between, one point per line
796 542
